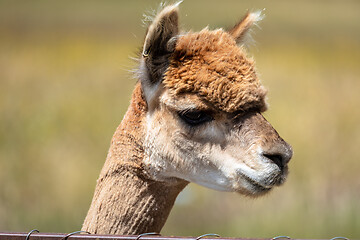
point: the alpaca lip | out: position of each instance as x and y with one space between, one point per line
282 176
259 187
267 184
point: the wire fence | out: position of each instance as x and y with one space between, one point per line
81 235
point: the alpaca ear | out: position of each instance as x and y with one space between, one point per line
241 30
160 42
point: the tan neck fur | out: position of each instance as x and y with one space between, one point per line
126 201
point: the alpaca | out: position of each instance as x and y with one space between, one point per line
195 116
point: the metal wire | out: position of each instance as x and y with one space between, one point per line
146 234
208 235
28 235
73 233
280 237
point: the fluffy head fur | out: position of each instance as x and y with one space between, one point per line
194 117
211 65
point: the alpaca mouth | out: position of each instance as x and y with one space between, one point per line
259 187
262 186
281 178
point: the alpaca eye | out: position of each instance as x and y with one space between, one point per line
194 118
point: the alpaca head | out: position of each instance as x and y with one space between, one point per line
204 104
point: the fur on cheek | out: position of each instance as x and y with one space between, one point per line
162 160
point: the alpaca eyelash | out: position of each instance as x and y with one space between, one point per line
194 118
239 114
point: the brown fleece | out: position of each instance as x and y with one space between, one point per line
211 65
126 201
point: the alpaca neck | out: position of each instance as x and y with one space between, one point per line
126 200
128 204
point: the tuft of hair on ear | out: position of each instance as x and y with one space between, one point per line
159 44
160 41
241 31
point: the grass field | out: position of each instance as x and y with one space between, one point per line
65 84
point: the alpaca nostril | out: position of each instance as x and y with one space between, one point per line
278 159
280 154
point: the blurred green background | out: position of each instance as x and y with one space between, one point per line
65 83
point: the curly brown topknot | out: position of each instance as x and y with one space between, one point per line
211 65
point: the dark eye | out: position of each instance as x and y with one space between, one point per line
194 117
